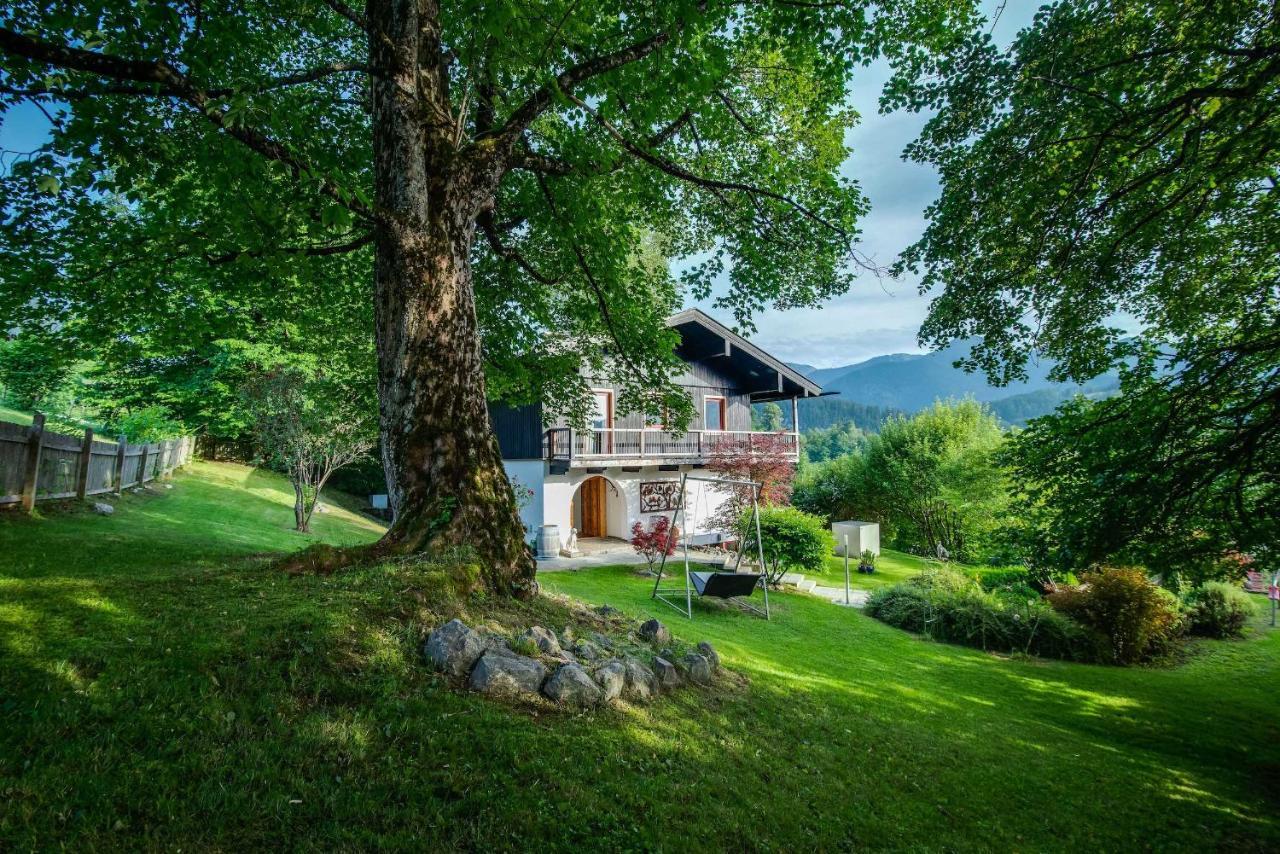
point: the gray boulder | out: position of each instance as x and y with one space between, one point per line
709 651
493 641
611 677
641 684
602 640
666 672
566 637
607 610
103 509
587 651
697 667
572 686
543 639
453 648
505 674
654 632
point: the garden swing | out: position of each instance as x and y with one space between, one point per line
735 586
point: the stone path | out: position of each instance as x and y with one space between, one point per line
834 595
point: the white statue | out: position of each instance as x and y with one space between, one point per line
570 548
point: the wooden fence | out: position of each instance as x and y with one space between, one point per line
36 465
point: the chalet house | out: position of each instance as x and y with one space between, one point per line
619 470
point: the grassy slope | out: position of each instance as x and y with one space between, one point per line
161 686
16 416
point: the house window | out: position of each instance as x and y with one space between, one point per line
602 415
713 413
601 436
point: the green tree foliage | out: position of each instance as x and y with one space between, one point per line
820 413
470 177
931 479
1121 158
33 376
148 424
308 426
832 442
767 417
792 539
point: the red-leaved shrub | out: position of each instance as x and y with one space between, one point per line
655 541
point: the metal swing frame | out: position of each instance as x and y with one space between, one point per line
681 598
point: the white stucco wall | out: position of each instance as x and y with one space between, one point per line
530 473
622 499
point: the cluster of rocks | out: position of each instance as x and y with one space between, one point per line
569 670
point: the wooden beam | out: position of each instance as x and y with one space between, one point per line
121 449
35 436
82 469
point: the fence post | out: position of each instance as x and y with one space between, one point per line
82 467
121 448
35 436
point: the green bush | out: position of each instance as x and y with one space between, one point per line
149 424
793 540
996 577
949 606
1219 610
1140 620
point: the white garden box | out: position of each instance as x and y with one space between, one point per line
863 536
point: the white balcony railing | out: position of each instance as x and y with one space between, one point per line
571 445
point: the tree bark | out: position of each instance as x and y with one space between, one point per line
299 507
445 478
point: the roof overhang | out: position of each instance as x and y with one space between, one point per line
704 339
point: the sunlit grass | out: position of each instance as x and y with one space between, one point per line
162 687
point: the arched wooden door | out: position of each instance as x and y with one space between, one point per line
592 501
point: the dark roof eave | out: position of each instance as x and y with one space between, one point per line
806 386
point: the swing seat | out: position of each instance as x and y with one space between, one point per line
724 585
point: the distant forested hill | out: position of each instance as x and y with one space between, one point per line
819 413
906 382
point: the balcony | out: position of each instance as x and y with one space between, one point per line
631 447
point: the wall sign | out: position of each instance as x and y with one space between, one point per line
657 496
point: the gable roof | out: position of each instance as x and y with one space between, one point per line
703 338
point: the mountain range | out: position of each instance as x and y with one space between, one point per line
907 382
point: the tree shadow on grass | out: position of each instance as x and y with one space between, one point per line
236 708
1117 749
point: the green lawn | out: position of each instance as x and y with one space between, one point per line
161 686
16 416
891 568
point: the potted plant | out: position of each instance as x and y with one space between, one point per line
867 562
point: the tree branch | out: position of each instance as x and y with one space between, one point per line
565 82
677 171
490 229
309 75
320 251
171 83
347 12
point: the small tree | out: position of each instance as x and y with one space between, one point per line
655 541
792 540
308 426
762 458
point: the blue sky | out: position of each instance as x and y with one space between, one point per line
876 316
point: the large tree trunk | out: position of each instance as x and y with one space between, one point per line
444 471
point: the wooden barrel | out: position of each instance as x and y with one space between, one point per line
549 541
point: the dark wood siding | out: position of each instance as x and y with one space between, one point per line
519 430
701 379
